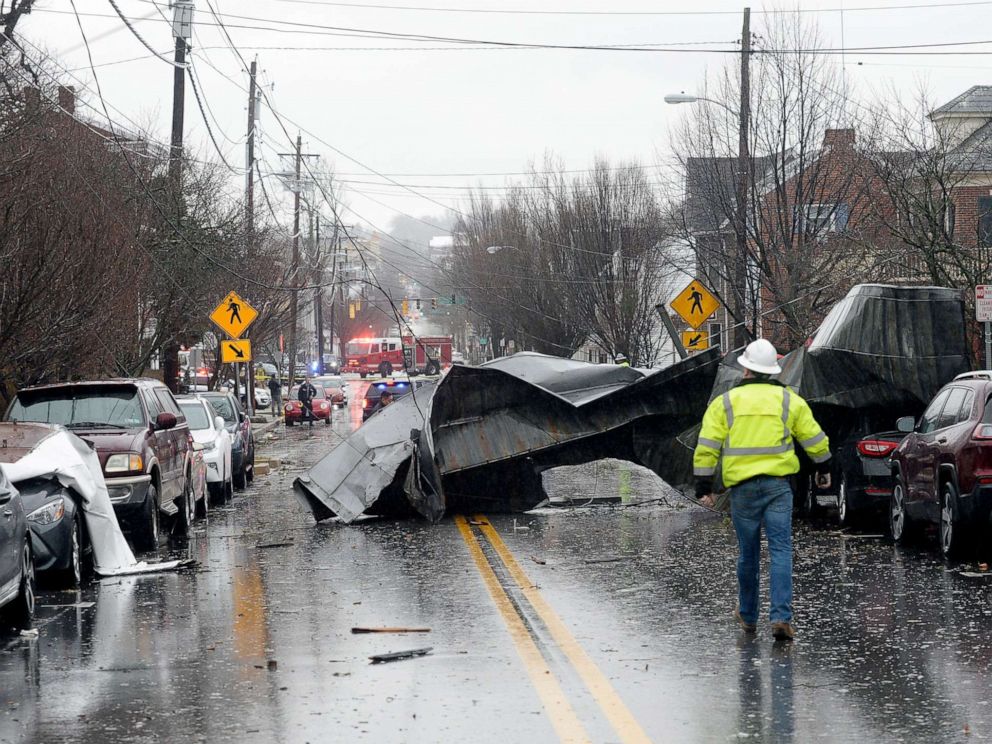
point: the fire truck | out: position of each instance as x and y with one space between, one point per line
382 356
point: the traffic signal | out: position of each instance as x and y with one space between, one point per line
433 303
452 299
406 306
351 310
418 303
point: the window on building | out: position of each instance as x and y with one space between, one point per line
716 335
602 357
820 219
984 221
950 216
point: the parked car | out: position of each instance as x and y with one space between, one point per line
142 439
211 439
335 387
943 467
262 397
293 409
16 560
60 542
238 425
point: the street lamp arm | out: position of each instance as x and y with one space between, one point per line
675 98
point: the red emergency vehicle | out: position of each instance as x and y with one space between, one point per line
382 356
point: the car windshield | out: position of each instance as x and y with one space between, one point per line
224 408
90 406
296 391
196 416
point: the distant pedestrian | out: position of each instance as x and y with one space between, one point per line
275 393
622 360
305 395
750 430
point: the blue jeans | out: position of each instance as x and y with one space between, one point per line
763 501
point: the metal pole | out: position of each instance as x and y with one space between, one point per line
738 293
318 301
988 345
295 266
666 319
250 216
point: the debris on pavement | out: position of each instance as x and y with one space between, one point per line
399 655
263 546
390 630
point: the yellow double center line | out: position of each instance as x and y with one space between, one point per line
563 716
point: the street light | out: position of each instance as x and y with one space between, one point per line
741 334
493 249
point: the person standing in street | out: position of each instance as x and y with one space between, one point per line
275 393
749 432
305 395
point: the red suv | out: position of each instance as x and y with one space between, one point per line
141 437
943 468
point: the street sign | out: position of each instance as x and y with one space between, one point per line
695 340
695 304
983 303
233 315
235 351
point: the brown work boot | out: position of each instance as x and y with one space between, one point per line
745 625
783 631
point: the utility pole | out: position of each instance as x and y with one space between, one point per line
295 265
250 215
318 300
742 335
182 29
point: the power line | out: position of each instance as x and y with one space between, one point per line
139 37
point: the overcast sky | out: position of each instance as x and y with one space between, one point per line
460 109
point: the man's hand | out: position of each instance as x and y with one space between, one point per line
823 480
708 500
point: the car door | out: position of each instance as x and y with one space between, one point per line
933 450
178 436
10 548
915 470
165 452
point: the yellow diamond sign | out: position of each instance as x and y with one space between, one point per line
695 304
695 340
233 315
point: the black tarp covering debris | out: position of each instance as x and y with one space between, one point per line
482 436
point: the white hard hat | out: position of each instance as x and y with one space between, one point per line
760 356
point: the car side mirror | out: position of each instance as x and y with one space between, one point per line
906 424
219 423
165 420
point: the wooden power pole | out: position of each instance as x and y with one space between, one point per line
738 296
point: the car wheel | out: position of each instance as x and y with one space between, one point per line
147 533
250 475
72 576
362 375
327 421
951 532
187 510
288 422
229 490
20 614
900 525
846 517
432 368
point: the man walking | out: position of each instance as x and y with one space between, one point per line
306 394
750 431
275 393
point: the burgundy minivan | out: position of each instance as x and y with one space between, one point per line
141 437
943 468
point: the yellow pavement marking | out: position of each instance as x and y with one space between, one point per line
563 718
622 720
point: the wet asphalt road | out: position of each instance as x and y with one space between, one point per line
600 623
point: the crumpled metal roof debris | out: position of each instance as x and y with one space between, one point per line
480 438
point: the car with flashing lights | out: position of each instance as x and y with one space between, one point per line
213 442
397 388
17 588
143 442
943 466
321 404
238 425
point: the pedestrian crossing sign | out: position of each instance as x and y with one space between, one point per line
695 340
695 304
233 315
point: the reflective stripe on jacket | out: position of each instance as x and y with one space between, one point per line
752 427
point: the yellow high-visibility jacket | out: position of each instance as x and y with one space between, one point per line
752 427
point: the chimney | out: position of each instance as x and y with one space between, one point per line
835 138
67 99
32 98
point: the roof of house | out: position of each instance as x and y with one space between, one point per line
975 152
976 100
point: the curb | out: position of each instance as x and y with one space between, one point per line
271 426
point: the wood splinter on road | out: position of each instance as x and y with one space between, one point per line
390 630
398 655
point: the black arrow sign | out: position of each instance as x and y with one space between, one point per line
695 340
237 351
